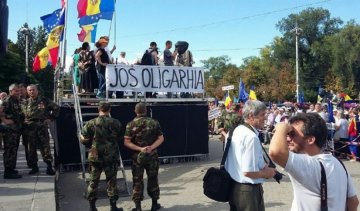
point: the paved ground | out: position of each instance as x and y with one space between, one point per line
180 184
181 187
35 192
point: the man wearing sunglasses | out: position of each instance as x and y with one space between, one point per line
297 147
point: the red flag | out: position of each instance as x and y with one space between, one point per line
63 3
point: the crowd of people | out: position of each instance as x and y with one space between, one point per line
89 65
320 181
26 114
343 124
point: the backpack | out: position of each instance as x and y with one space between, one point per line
147 58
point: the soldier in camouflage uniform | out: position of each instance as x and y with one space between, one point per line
230 120
39 112
23 98
102 135
143 135
12 111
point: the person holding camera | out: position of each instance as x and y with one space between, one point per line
102 134
319 180
245 162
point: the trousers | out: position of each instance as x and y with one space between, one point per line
247 197
152 170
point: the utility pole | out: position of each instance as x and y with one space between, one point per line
297 31
26 31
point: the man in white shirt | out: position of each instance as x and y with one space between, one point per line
305 135
245 162
122 59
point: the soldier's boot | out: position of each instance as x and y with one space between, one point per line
92 206
137 206
155 205
34 170
113 206
49 169
11 174
13 171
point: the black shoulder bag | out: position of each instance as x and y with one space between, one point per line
217 182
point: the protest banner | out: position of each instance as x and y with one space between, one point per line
142 78
214 113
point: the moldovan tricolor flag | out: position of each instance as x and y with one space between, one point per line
91 11
54 23
228 101
88 33
252 94
41 60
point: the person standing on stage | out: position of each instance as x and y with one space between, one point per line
39 112
11 138
102 134
143 136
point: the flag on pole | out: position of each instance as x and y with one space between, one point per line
91 11
228 101
41 60
55 22
87 33
252 94
243 95
347 97
330 111
63 3
54 19
301 97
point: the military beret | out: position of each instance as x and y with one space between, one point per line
143 158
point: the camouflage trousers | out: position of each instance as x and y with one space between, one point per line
152 170
11 144
37 135
110 170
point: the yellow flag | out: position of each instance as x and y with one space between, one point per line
252 95
347 97
93 7
54 37
227 101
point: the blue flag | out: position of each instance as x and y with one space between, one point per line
54 19
243 95
330 112
301 97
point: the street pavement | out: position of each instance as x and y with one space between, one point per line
181 187
31 192
180 184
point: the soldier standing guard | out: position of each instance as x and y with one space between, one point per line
11 137
102 135
39 112
23 98
143 135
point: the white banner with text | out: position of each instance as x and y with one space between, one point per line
154 78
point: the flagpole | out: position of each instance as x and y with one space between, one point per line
63 63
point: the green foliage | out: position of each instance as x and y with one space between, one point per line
12 70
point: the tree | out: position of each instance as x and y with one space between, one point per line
221 73
12 69
37 41
345 51
316 25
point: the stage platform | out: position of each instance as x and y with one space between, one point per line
184 122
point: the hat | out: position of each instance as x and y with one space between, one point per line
143 158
